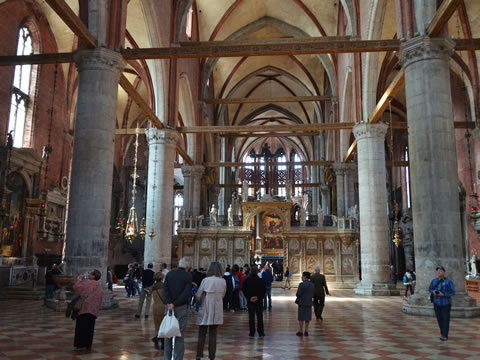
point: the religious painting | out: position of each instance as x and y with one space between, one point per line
12 225
272 232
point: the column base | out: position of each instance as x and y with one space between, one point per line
376 289
463 306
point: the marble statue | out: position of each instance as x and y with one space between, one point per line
288 190
236 208
406 229
245 190
182 213
306 201
213 215
473 263
230 215
319 215
334 221
302 216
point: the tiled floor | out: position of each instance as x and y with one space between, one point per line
353 328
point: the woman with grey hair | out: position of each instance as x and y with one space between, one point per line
210 294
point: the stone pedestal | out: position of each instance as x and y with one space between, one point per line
433 172
88 228
373 211
161 157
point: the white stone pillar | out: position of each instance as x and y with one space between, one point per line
350 170
433 172
197 173
372 188
325 199
340 179
187 189
88 227
161 157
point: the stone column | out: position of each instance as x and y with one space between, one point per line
340 177
325 199
433 172
349 186
372 188
187 189
161 157
88 227
197 173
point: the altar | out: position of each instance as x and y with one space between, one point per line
267 231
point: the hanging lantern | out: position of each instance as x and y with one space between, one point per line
142 228
43 211
132 224
151 234
396 234
120 223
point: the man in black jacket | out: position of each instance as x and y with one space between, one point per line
176 292
147 283
254 289
319 294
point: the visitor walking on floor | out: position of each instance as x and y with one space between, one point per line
441 291
320 284
304 301
267 276
147 283
288 275
254 289
91 292
176 292
210 295
408 282
158 308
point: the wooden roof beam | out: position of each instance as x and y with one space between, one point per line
198 52
443 14
265 100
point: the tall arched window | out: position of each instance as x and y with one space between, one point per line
177 207
188 27
22 89
282 175
297 174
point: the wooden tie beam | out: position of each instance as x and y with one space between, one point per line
266 100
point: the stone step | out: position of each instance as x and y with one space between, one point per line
22 293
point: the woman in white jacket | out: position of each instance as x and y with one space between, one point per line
210 294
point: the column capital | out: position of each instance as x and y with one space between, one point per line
192 170
365 130
339 168
161 136
350 168
422 48
99 59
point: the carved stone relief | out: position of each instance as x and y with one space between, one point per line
239 261
294 264
312 261
311 244
222 246
188 248
223 261
205 262
239 246
347 265
347 247
205 246
329 265
294 246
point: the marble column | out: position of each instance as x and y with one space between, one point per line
372 188
349 179
88 227
325 199
192 187
161 158
340 179
433 172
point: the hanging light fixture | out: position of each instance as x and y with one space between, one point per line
132 221
151 234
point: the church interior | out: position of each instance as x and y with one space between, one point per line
339 134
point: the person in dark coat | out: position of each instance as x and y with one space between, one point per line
304 300
254 289
318 280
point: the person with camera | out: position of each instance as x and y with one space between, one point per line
441 292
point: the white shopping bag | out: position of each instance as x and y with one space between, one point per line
169 326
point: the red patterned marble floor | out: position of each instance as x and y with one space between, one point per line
353 328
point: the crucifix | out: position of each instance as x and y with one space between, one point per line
267 156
